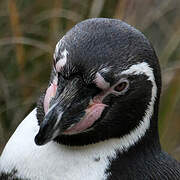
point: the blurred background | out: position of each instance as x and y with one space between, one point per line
29 30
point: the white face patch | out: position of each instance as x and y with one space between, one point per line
61 62
58 45
100 81
130 139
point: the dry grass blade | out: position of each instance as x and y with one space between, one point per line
156 13
96 8
170 47
54 13
16 29
170 99
120 10
26 41
54 24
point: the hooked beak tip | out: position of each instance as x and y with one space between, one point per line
40 140
46 133
49 128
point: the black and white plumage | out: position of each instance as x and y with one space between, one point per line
98 117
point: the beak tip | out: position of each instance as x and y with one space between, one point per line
39 140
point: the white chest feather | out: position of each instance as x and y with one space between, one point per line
53 161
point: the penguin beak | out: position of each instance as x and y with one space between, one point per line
70 112
55 103
50 126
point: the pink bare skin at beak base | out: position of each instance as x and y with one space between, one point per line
50 93
93 113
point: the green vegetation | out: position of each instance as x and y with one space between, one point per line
30 29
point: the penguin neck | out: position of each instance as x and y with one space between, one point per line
138 157
146 146
145 137
150 142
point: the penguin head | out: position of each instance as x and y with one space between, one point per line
105 83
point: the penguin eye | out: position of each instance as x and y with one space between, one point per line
122 86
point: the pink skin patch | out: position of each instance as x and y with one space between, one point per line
93 112
50 93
